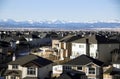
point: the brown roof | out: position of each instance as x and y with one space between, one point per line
31 58
96 39
69 38
84 60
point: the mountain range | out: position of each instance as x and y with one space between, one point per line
57 24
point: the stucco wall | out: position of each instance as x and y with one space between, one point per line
44 71
104 51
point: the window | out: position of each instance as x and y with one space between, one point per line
81 46
91 45
91 70
79 68
14 66
66 67
13 77
31 71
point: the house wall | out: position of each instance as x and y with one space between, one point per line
100 51
65 50
55 43
57 70
24 71
104 51
10 67
80 48
77 51
45 71
1 50
45 53
107 76
93 50
69 49
9 77
97 74
116 65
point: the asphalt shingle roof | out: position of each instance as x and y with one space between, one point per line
69 38
96 39
83 60
31 58
73 74
64 76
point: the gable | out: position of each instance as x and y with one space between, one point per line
31 64
84 60
92 64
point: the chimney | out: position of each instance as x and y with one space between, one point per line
14 57
87 47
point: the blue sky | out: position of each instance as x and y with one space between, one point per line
67 10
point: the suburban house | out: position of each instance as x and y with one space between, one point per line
55 43
65 46
83 63
29 67
56 48
113 71
96 46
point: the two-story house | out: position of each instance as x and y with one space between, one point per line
29 67
113 70
92 67
95 46
65 46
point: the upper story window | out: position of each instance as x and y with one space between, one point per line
116 65
13 77
57 45
14 66
91 45
79 68
31 71
81 46
91 70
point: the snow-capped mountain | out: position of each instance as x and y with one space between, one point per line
8 23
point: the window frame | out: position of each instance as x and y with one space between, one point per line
79 68
91 71
31 71
67 67
14 66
